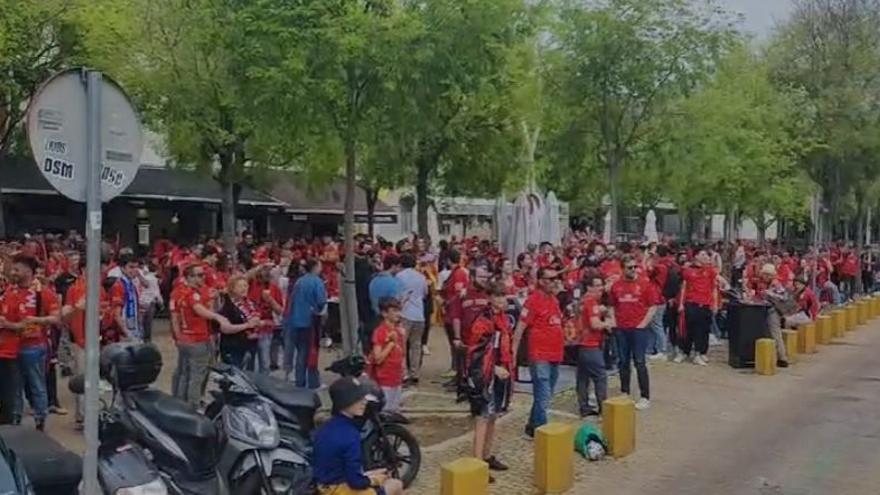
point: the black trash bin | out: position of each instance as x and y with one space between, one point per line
746 323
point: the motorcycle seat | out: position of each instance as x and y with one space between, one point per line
285 394
172 415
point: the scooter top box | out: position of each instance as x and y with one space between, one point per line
130 365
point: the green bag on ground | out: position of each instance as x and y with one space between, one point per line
589 442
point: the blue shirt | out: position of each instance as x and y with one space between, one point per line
307 299
415 288
337 454
384 285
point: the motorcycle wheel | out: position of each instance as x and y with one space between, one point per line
287 479
403 444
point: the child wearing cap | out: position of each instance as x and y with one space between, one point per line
338 461
387 356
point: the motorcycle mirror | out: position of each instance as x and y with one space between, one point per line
77 384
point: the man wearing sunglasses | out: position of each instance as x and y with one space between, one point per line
191 312
542 315
631 300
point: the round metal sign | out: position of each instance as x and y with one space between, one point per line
56 125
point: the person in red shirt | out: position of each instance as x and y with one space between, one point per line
594 323
632 301
191 310
542 315
808 304
454 287
269 301
388 352
849 270
27 310
699 301
490 366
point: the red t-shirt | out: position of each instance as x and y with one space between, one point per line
850 266
192 328
456 284
466 309
390 372
20 303
701 285
808 303
255 294
591 338
75 294
631 300
542 314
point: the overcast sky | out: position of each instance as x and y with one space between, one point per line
760 16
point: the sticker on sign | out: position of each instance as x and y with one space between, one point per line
57 126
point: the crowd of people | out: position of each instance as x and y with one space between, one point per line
272 305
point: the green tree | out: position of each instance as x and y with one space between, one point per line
37 39
831 50
737 143
193 67
625 59
456 111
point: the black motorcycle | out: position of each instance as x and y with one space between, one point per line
122 464
385 440
185 446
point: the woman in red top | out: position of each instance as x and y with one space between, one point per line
699 301
489 365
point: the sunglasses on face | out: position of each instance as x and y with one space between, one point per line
198 275
631 267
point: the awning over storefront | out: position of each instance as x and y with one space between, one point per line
305 204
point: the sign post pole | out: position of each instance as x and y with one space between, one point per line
93 82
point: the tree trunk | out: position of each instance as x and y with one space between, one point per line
348 302
423 171
372 197
761 225
227 204
860 239
614 188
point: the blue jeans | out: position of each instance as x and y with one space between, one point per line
32 367
631 345
297 343
658 342
544 376
264 353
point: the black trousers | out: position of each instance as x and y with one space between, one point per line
698 320
9 389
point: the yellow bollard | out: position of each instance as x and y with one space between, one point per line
554 458
824 329
875 303
852 320
765 356
790 337
839 322
465 476
862 311
619 425
807 339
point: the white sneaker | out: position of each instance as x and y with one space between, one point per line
426 351
657 357
699 360
327 342
713 340
643 404
679 358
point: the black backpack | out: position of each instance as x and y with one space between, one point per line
673 283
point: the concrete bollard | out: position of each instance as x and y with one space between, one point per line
765 357
554 458
790 337
862 311
807 339
465 476
824 329
839 322
852 320
619 425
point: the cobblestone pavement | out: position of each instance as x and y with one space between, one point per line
810 430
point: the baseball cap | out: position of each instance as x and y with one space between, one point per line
347 391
